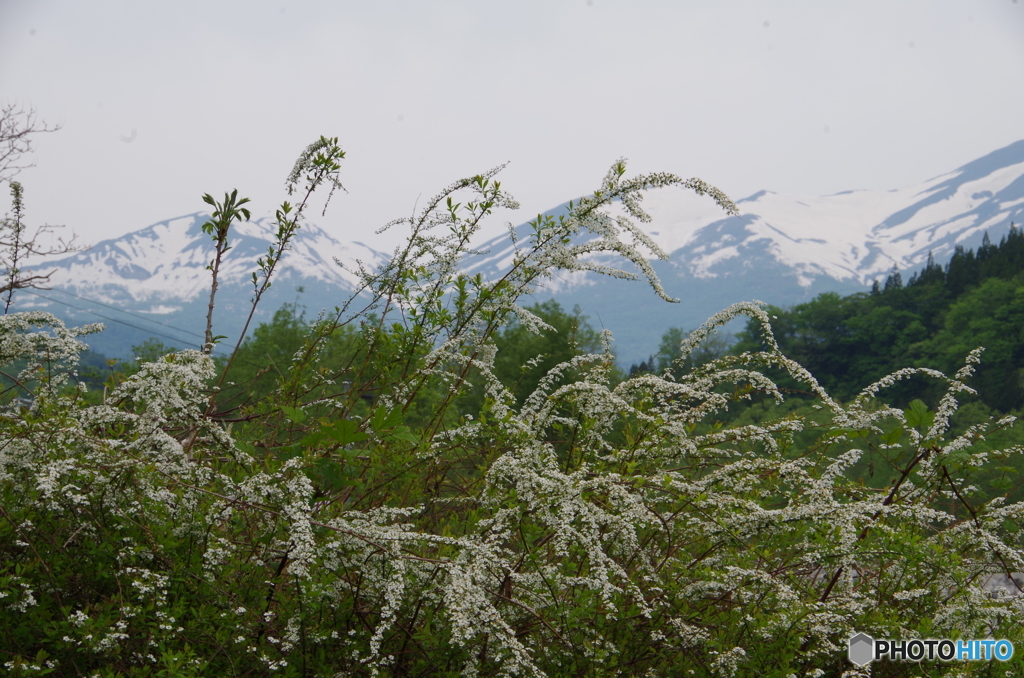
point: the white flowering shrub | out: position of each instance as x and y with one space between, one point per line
357 521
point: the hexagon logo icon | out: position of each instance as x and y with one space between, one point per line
862 649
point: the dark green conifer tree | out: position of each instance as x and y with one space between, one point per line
894 281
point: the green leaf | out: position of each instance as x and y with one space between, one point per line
383 419
293 414
1002 484
332 473
955 459
403 433
344 431
313 440
290 452
893 437
918 415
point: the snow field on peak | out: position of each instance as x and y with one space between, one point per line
166 262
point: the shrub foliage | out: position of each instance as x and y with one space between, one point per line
354 507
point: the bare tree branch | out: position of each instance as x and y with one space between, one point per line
33 281
17 125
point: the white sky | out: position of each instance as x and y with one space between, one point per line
796 97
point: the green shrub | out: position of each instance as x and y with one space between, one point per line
348 518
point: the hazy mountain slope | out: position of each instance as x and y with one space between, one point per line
786 249
159 272
781 249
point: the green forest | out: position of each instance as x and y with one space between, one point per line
933 320
848 342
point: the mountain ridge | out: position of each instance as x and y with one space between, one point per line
781 249
785 249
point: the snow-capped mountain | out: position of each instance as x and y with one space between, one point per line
160 272
781 249
853 236
785 249
862 235
165 264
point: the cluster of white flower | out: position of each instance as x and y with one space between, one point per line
607 518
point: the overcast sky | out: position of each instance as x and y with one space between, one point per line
162 102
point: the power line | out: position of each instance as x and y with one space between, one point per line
121 310
105 317
122 322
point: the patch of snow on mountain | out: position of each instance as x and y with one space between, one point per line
161 310
167 262
854 235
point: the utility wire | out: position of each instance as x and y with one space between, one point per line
105 317
121 310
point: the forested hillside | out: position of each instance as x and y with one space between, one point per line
933 320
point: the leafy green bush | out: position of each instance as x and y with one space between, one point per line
350 518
